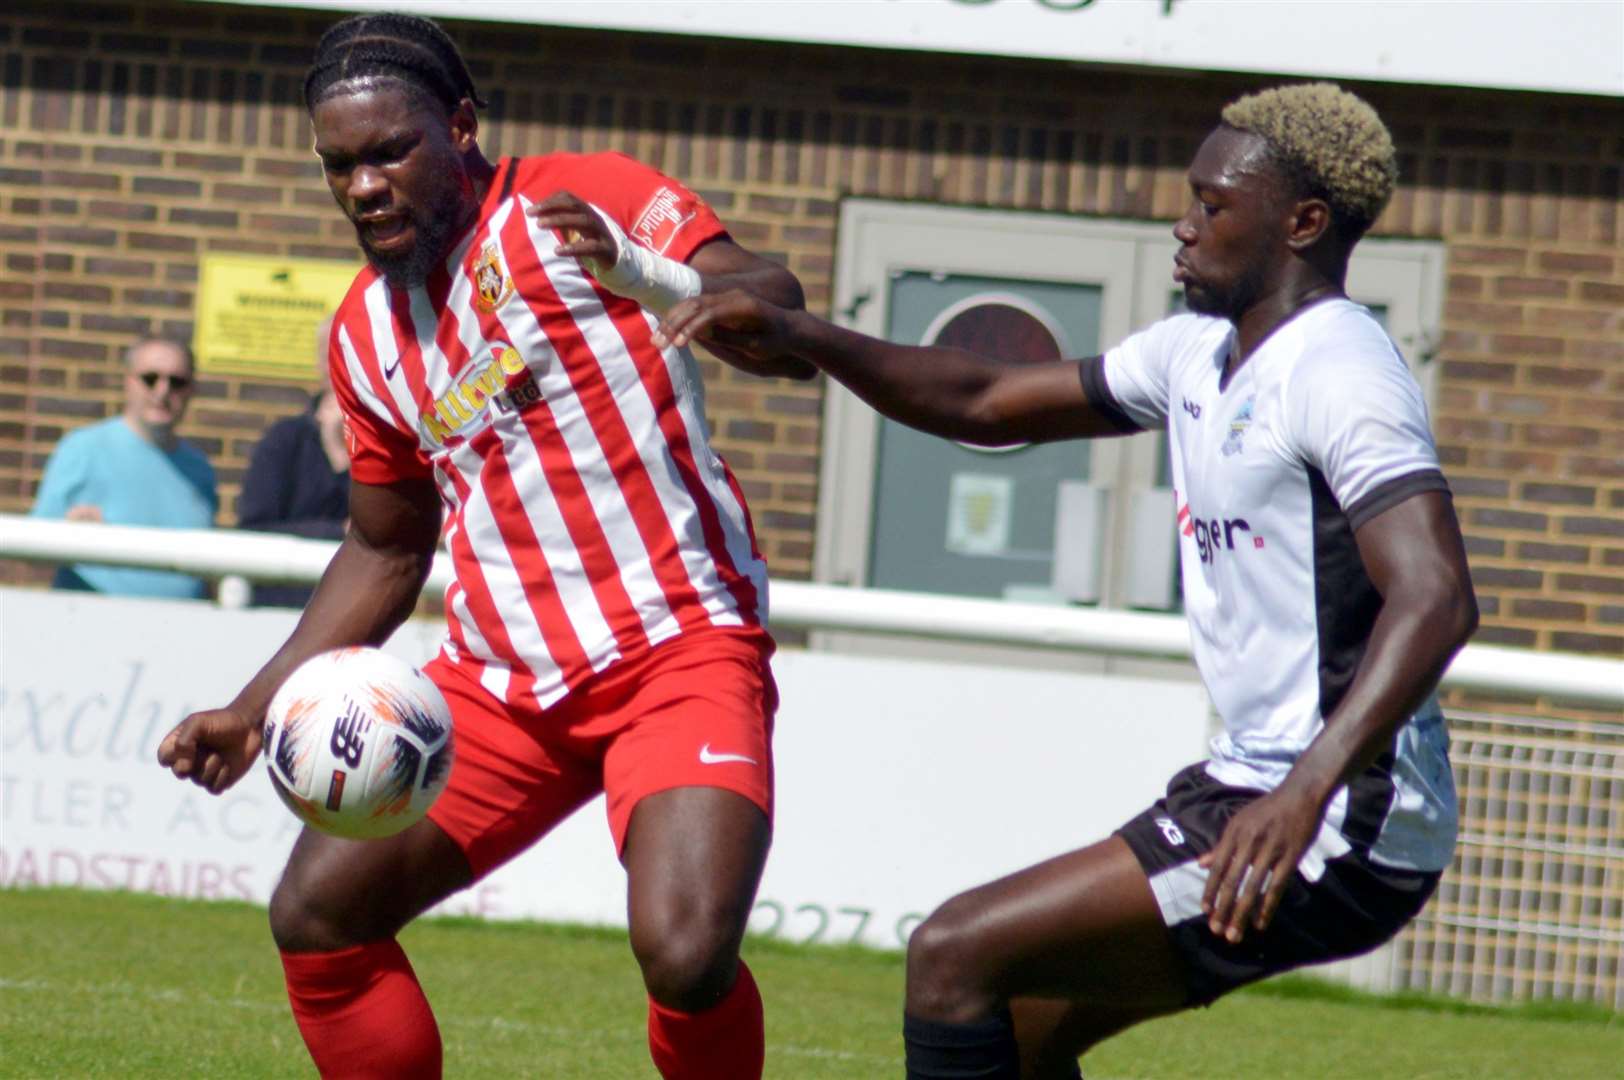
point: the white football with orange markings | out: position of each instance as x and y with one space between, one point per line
358 743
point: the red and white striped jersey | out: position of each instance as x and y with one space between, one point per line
589 518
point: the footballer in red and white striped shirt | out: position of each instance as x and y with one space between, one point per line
496 366
589 517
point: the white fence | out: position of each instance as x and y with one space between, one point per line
1533 908
898 782
264 557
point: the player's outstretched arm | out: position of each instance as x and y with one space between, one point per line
366 592
1416 559
603 246
725 266
945 391
628 269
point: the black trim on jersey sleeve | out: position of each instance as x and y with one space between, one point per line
1098 392
1346 604
1387 495
1345 600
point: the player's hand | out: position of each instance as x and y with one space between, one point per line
741 329
789 367
583 233
212 749
1249 870
83 512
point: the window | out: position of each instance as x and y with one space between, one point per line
1080 522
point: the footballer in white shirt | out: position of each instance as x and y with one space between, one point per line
1325 582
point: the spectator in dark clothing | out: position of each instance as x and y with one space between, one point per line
298 482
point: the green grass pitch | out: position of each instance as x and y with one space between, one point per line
118 985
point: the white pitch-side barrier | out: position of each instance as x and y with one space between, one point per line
900 782
265 557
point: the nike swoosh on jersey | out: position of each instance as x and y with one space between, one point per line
706 757
389 372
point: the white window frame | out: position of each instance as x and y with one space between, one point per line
880 239
1131 260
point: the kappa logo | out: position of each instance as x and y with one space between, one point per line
709 757
661 220
1170 831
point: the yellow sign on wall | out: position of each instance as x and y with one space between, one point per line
257 315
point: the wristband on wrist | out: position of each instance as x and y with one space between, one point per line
642 274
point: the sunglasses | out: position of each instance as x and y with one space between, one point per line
149 379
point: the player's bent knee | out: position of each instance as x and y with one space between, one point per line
297 926
937 953
687 944
316 910
337 893
690 968
308 917
948 976
691 983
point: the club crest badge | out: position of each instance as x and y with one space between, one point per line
492 286
1237 430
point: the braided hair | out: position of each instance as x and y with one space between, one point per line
406 48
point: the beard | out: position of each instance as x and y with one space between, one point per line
434 227
1228 300
1232 297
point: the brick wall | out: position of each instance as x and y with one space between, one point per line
134 138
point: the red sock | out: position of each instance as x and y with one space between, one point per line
362 1013
725 1042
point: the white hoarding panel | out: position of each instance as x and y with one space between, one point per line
899 782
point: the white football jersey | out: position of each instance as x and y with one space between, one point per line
1319 431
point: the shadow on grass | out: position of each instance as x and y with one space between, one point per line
1309 988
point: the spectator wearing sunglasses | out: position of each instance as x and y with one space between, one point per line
132 469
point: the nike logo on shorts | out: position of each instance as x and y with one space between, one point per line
707 757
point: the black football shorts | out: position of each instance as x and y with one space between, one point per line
1354 906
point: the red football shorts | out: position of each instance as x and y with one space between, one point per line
695 711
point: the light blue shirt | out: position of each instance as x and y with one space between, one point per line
133 482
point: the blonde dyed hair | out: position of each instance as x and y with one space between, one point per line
1332 142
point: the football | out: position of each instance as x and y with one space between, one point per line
358 743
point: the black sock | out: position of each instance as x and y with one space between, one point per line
980 1050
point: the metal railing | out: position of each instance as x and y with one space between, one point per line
218 553
1533 907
